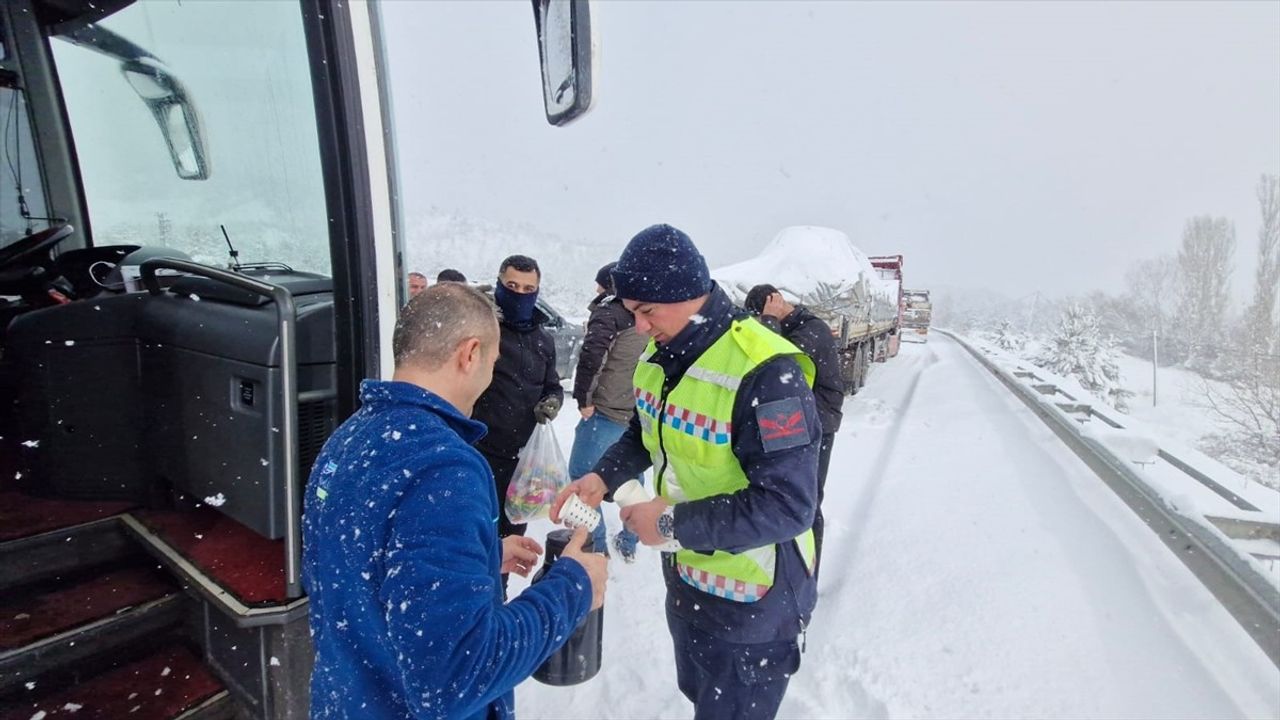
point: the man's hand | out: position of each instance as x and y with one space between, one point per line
642 519
589 488
587 411
596 565
774 306
519 554
547 408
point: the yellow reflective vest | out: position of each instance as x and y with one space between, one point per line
689 434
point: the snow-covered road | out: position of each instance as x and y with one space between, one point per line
973 567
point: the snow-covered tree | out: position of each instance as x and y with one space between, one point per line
1204 276
1151 293
1261 319
1009 339
1247 394
1078 349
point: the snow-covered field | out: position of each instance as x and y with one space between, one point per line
974 568
1181 414
1181 418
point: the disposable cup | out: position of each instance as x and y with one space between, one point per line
575 513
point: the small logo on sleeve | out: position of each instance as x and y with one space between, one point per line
782 425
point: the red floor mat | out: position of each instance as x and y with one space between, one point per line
33 618
24 515
242 561
159 686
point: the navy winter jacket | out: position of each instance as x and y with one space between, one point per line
524 374
401 558
778 504
813 335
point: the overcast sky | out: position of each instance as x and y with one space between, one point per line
1017 146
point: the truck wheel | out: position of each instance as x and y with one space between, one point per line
864 367
848 372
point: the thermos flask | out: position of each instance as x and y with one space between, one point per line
578 660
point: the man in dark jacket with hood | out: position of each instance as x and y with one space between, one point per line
602 387
813 335
725 416
401 555
526 387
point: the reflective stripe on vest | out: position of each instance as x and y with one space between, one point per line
689 435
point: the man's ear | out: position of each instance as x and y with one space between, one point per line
468 354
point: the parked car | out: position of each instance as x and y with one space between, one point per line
568 336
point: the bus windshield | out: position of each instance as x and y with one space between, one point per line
243 68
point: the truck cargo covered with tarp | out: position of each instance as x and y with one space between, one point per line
821 269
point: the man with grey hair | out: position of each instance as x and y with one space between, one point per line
401 553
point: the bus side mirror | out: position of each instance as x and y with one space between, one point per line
174 112
566 49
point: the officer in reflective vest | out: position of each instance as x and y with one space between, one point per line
726 419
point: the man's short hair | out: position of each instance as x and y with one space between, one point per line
523 263
438 320
417 274
757 297
450 275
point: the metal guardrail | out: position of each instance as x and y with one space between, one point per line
1086 411
1247 595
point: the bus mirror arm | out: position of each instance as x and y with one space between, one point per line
161 91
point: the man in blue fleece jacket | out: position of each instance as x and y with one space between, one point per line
401 555
727 421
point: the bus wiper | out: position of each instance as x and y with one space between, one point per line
163 94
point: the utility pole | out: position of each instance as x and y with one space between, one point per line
1155 363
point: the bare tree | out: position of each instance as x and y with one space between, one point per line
1151 294
1249 401
1204 277
1260 320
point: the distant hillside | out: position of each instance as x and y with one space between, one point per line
477 247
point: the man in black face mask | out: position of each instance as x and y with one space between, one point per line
526 387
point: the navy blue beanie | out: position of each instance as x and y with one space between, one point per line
661 265
604 277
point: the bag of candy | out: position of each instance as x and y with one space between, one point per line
541 473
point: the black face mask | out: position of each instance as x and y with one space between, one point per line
517 308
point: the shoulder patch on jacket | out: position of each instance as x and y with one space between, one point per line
782 425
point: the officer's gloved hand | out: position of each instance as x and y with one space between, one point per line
547 409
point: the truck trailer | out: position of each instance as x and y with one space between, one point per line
821 269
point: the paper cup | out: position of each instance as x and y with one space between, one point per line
631 493
576 514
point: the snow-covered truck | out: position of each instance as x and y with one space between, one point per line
917 312
889 268
821 269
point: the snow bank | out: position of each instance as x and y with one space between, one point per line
819 267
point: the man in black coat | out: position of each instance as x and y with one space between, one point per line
813 335
526 387
602 386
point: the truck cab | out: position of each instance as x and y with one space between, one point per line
917 313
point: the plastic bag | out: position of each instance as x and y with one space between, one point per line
541 473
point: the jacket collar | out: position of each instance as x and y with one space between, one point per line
602 299
391 393
798 317
539 319
717 313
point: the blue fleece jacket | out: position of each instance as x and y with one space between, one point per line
401 558
778 503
